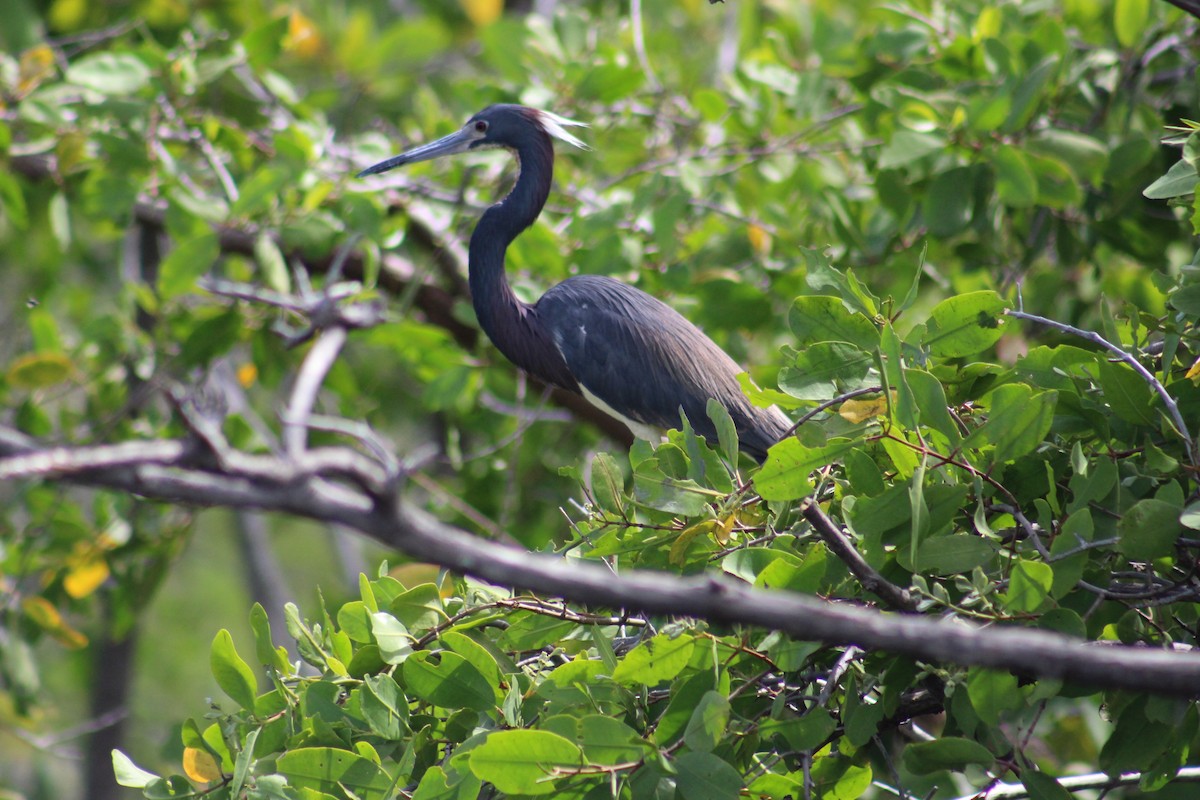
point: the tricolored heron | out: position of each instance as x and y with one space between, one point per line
625 351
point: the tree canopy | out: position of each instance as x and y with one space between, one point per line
277 521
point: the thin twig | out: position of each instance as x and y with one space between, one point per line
1145 374
867 575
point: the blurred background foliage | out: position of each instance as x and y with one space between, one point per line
145 143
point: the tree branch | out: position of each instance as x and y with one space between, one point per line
277 484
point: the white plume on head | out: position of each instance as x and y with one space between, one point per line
557 126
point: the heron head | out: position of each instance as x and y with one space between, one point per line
504 125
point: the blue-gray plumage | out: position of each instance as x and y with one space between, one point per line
625 351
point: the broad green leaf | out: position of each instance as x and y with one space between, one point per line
1015 182
261 190
950 752
232 674
1018 420
1057 186
907 146
129 774
447 680
476 654
1043 787
437 785
784 475
653 488
264 648
727 437
708 722
1149 530
953 554
418 608
603 740
1028 586
1084 155
1127 393
993 693
825 319
930 400
109 73
654 661
523 761
608 484
394 640
384 706
1135 742
271 264
949 202
1180 180
808 732
1130 18
827 369
965 324
186 262
703 776
325 769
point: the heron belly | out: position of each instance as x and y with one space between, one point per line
640 429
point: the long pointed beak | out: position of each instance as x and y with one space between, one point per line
457 142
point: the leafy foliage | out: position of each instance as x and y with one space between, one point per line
948 238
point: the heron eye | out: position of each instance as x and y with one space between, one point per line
481 126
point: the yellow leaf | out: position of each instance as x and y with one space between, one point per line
856 411
679 547
760 240
303 38
85 576
200 766
722 531
482 12
38 370
247 374
1194 371
43 614
37 64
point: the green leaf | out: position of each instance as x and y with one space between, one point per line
907 146
784 475
12 201
1180 180
1127 393
261 190
825 319
608 484
523 761
803 733
394 640
1130 18
655 660
949 202
993 693
264 648
184 265
1043 787
324 769
109 73
727 437
1015 182
603 740
271 264
1149 530
953 554
448 680
1018 421
703 776
950 752
1135 742
1084 155
129 774
965 324
826 369
384 706
708 722
233 675
1028 586
418 608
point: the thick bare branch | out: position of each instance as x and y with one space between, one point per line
1022 650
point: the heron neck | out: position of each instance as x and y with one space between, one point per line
500 225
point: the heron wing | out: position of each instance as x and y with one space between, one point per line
647 362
